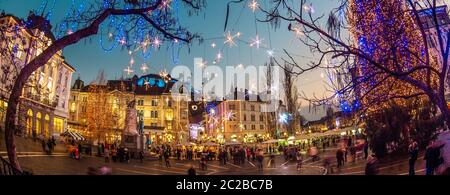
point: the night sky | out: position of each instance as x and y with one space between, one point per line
88 57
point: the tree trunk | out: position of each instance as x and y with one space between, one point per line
442 104
10 126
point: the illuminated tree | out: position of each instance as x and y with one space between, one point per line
384 54
130 24
99 112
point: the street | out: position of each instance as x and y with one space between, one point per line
61 164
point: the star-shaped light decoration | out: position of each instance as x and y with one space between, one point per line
256 42
165 4
156 42
70 31
144 68
309 8
164 75
219 56
131 61
128 70
297 31
229 38
229 116
123 41
270 53
253 5
110 35
203 64
213 45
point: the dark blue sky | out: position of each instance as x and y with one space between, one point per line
88 57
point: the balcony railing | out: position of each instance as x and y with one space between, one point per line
38 98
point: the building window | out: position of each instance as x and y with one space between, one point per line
154 114
46 126
245 126
72 107
261 117
253 127
38 123
30 122
245 117
261 127
58 125
147 114
231 107
252 117
252 107
154 102
140 102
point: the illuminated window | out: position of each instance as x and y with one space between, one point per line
38 123
46 126
58 125
169 115
30 122
72 107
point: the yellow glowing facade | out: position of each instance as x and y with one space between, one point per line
43 108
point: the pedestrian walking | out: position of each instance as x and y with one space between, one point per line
272 161
433 157
191 171
260 159
413 151
141 156
166 158
340 158
372 165
299 161
107 160
366 150
203 165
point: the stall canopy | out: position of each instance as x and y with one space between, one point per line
209 144
74 135
232 143
272 141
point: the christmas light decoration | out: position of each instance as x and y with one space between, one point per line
230 39
256 42
253 5
386 32
128 70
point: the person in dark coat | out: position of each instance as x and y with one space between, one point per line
366 150
433 158
340 158
191 171
413 151
372 165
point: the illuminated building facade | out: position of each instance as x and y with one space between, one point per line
43 109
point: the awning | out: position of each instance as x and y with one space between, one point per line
270 141
74 135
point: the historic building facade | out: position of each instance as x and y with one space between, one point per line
162 116
43 109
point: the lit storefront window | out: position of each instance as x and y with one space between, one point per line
58 125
